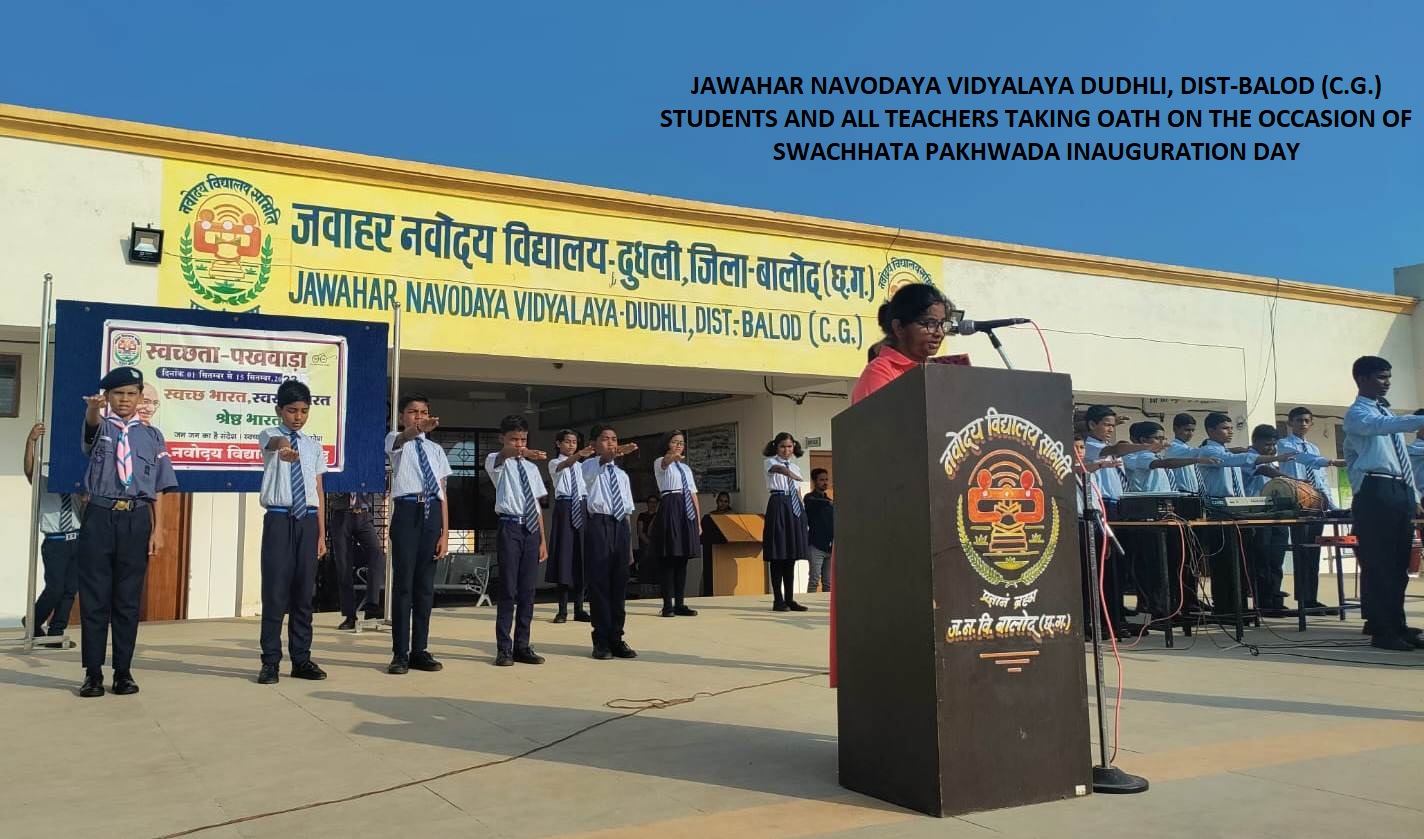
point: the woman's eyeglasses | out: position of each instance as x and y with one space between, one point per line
942 327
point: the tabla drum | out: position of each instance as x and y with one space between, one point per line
1297 495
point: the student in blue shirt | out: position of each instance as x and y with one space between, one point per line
1265 546
1309 466
520 544
293 531
1100 426
1148 471
129 471
1384 504
1183 478
1225 480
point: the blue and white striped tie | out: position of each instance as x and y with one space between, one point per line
687 506
298 510
615 494
531 507
791 491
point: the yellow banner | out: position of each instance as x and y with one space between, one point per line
506 279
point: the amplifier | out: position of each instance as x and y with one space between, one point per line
1156 506
1250 507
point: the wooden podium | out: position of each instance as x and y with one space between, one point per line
737 566
962 677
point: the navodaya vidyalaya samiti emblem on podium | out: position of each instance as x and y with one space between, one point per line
225 252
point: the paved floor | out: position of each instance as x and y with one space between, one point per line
1298 741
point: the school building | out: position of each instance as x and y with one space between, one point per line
575 304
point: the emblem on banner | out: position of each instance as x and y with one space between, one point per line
225 252
124 349
899 272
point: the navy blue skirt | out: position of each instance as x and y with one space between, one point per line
784 536
673 534
565 544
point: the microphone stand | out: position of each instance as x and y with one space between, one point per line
1106 777
994 339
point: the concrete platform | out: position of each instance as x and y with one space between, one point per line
724 726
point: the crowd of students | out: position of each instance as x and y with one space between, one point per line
100 540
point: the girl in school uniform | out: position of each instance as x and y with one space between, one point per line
677 529
785 535
566 528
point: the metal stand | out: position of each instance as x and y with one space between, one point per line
29 643
385 622
994 340
1106 777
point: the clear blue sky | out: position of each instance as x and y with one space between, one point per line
572 92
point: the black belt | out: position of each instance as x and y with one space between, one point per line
62 537
122 505
418 498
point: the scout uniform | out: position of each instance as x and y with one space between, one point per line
128 468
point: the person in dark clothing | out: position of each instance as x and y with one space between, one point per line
821 522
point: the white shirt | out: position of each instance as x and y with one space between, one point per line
780 483
595 483
405 465
508 492
52 508
675 478
277 473
566 482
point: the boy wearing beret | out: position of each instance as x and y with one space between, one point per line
128 472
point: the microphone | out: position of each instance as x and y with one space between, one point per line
969 327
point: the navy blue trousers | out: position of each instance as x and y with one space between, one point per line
289 552
61 583
606 559
517 551
113 560
415 533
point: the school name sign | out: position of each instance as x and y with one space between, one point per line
506 279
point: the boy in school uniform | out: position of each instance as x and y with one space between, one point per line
420 532
1266 549
128 472
59 552
520 546
1148 471
570 510
606 543
293 530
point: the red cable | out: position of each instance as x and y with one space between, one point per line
1103 607
1046 354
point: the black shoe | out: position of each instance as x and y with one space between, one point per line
582 616
668 612
504 658
124 685
1416 641
267 675
93 686
778 607
602 653
55 631
372 613
1411 632
426 662
562 617
397 667
528 656
796 607
1392 642
620 649
308 670
349 623
685 611
1367 629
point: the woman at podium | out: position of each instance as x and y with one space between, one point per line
914 323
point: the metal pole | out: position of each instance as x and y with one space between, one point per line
395 419
37 478
994 339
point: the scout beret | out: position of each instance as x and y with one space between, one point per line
121 376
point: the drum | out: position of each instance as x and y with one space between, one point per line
1298 495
